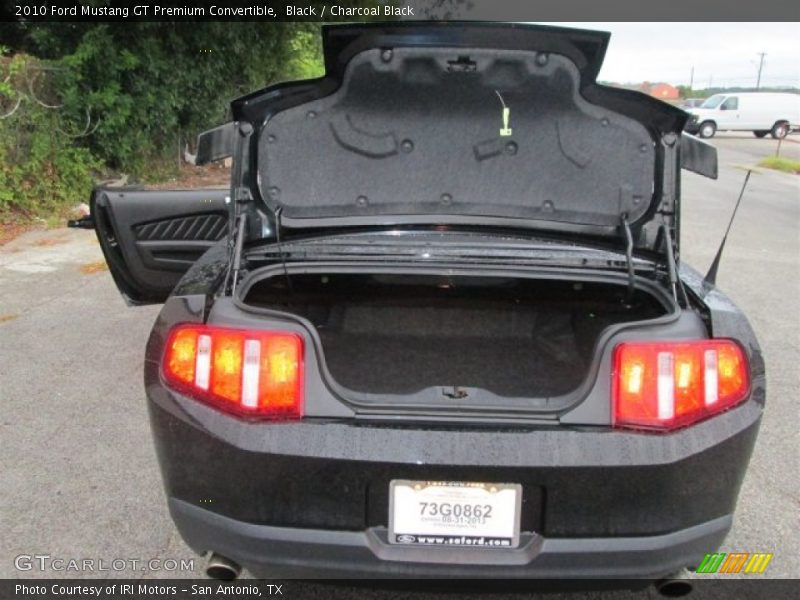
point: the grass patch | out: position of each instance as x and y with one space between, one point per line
787 165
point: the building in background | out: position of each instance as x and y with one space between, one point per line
662 91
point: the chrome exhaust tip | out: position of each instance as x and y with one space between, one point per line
219 567
674 586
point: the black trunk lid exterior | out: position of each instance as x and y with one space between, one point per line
464 125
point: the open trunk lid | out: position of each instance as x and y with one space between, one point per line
461 124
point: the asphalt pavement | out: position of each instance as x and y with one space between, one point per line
78 471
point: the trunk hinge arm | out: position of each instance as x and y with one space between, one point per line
237 249
241 196
628 236
672 269
278 227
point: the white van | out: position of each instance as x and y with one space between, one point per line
759 112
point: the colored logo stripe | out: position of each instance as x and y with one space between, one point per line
758 563
734 562
711 563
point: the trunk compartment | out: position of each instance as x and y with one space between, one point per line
398 334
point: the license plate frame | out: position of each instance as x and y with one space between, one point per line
454 531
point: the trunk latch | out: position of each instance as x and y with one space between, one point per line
463 64
455 392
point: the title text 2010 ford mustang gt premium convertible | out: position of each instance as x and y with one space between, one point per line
438 325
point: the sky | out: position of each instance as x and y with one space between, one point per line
722 54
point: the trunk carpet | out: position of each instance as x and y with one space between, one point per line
517 352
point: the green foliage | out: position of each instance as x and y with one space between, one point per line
41 167
150 86
779 163
305 55
127 96
138 92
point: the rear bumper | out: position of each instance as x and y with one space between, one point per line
310 499
286 552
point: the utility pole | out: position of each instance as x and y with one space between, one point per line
760 66
691 79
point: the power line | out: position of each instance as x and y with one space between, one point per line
760 66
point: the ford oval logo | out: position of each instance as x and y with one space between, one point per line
406 539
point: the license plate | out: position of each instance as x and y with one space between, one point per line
447 513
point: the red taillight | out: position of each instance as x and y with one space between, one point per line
253 373
664 385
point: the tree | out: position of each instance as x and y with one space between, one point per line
146 85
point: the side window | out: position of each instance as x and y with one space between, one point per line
731 103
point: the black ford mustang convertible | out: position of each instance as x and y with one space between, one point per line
438 325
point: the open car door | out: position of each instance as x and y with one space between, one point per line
151 238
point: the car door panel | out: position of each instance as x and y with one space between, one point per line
151 238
